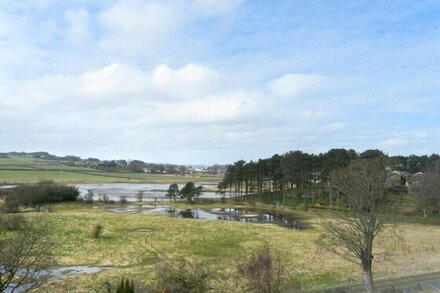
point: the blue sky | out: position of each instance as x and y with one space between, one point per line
204 81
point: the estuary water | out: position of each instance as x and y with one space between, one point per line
151 191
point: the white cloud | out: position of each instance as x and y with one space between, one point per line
135 25
138 27
215 7
135 97
191 81
292 85
394 142
336 126
6 25
78 25
212 109
311 115
113 83
420 135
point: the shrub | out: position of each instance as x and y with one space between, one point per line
88 197
104 198
140 196
262 272
11 222
11 204
97 231
41 193
123 199
180 278
125 286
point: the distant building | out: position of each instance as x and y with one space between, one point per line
416 178
398 179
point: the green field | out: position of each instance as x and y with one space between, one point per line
27 170
133 245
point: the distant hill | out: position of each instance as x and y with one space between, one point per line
134 166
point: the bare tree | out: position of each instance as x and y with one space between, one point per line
426 187
140 196
24 257
351 233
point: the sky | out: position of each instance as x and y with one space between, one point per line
207 81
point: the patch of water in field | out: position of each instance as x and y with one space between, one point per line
220 214
151 191
55 274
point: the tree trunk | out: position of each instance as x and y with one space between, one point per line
337 198
331 195
367 262
284 193
246 187
368 280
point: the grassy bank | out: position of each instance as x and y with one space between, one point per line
32 176
133 244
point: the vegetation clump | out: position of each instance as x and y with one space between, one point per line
11 222
35 196
123 199
125 286
88 197
191 191
173 191
104 198
97 231
262 272
140 196
180 277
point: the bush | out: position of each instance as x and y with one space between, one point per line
262 272
180 278
88 197
125 286
39 194
97 231
11 222
104 198
11 204
123 199
140 196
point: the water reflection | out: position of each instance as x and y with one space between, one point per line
219 214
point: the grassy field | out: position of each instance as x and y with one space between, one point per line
133 244
27 170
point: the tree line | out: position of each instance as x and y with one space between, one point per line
303 171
